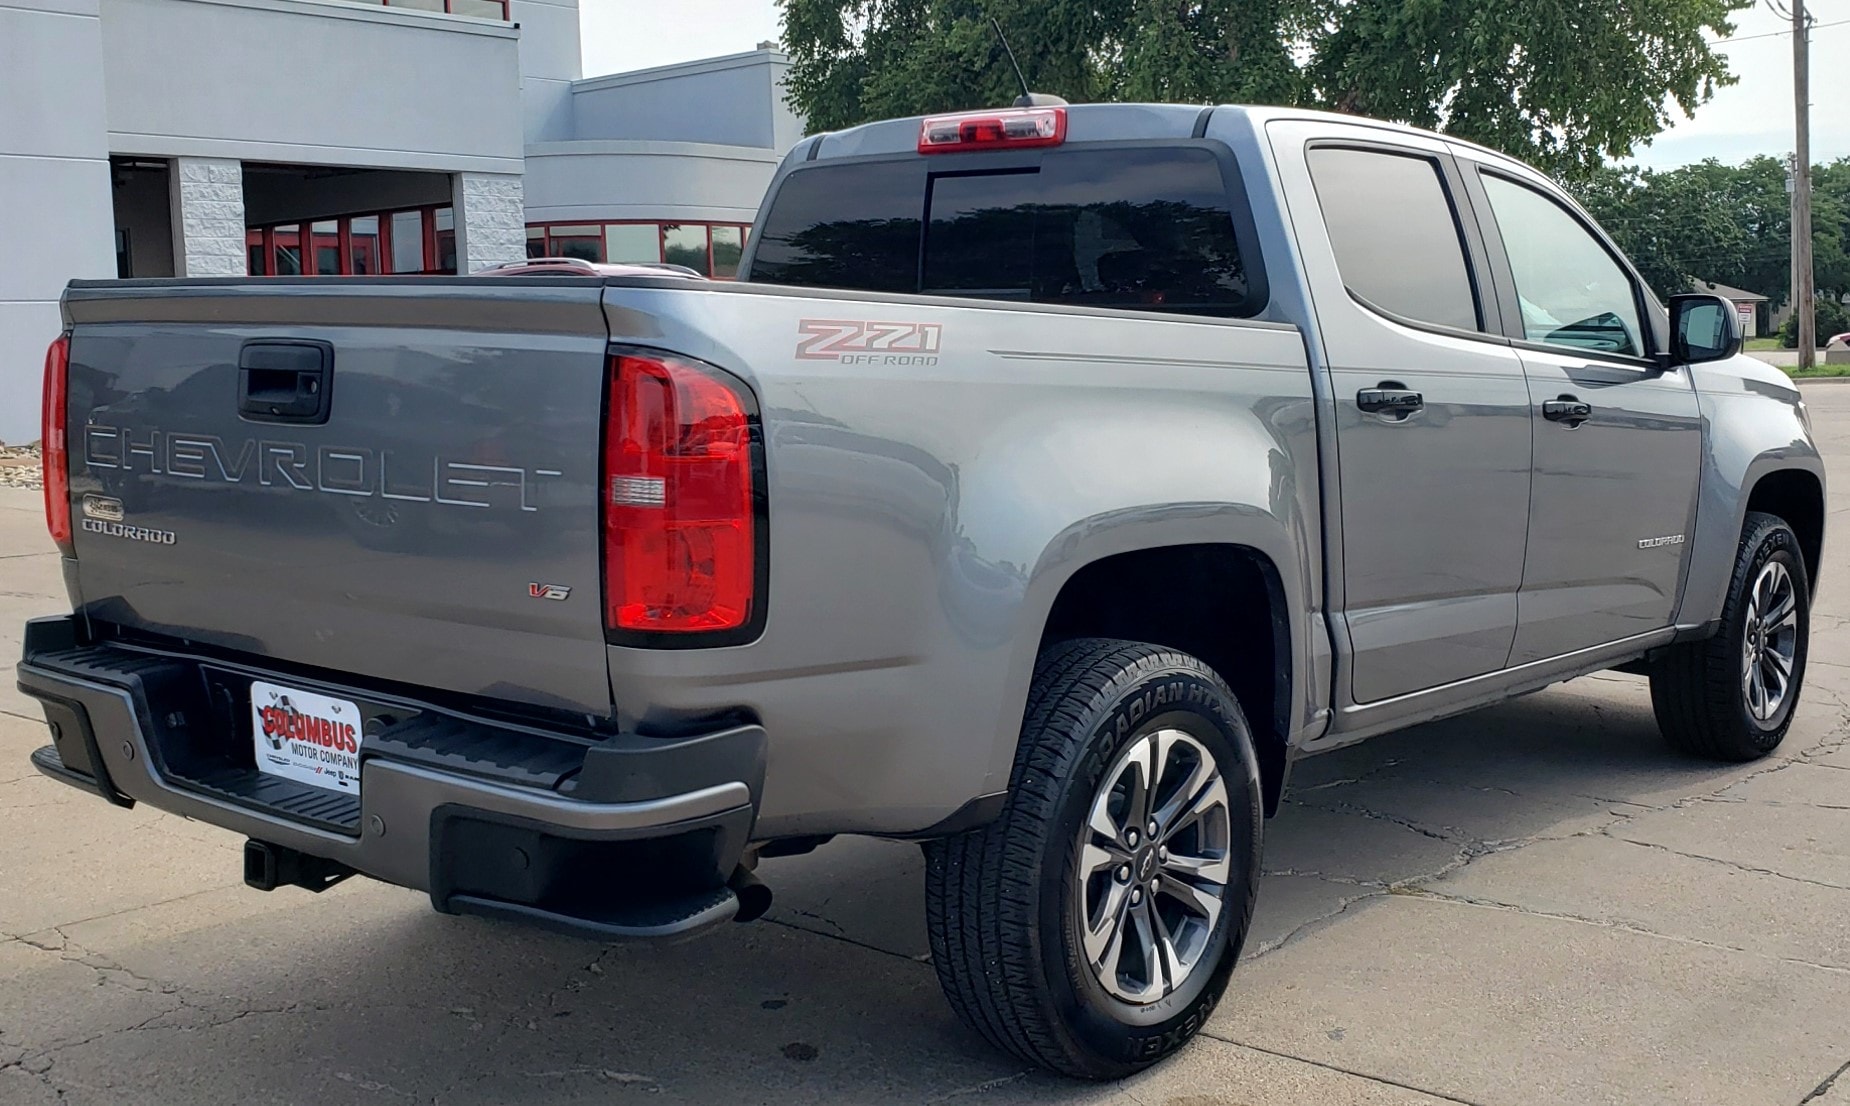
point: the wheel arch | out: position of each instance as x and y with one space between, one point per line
1797 496
1736 478
1228 603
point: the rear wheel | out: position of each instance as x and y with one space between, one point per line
1731 697
1092 927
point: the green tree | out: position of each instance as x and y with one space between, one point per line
1565 83
1701 221
1726 223
1830 320
1830 225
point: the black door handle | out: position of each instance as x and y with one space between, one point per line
1566 409
1389 398
285 381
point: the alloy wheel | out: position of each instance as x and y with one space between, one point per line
1770 645
1153 866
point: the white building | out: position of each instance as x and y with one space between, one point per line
224 137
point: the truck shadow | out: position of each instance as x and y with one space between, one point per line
361 994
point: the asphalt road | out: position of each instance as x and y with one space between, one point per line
1535 904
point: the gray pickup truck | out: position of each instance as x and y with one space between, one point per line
1055 477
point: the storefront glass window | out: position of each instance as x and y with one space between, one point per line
407 241
634 242
364 238
446 240
288 251
685 244
583 242
728 244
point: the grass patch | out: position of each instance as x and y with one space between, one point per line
1763 344
1817 371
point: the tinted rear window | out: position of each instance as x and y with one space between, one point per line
1396 238
1146 229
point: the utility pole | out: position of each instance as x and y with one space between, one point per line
1802 292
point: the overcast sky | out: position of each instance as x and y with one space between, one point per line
1752 117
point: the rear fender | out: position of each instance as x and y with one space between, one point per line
1257 490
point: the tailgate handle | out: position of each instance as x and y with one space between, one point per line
285 381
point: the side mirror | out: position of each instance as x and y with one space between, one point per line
1703 328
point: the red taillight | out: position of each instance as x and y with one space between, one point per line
53 450
680 541
987 129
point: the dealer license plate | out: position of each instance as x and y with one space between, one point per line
306 737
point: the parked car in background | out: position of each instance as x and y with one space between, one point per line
1054 479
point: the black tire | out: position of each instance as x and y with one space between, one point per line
1696 688
1001 901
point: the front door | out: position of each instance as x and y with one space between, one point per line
1431 409
1618 439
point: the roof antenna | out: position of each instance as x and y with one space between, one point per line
1027 99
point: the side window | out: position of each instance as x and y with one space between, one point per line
1571 290
1139 229
854 225
1395 234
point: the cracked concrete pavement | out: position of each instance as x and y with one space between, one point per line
1534 904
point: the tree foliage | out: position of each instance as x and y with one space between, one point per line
1828 320
1730 224
1564 83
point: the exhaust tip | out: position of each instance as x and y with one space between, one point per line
754 897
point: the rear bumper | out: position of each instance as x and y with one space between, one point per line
628 837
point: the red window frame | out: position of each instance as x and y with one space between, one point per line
661 235
265 239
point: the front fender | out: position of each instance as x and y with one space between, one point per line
1752 427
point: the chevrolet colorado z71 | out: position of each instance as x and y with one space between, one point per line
1053 479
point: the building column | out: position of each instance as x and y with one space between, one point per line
491 220
209 217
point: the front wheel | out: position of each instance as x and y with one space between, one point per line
1092 927
1731 697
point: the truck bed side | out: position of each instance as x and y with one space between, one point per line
938 469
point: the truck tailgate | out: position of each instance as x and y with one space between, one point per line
424 511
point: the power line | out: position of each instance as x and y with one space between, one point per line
1780 34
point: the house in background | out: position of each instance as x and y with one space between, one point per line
1751 306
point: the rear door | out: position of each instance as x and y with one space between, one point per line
1432 412
394 479
1617 438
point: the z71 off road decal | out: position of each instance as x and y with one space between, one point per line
852 342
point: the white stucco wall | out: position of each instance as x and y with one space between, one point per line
54 177
550 60
571 181
311 81
736 100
